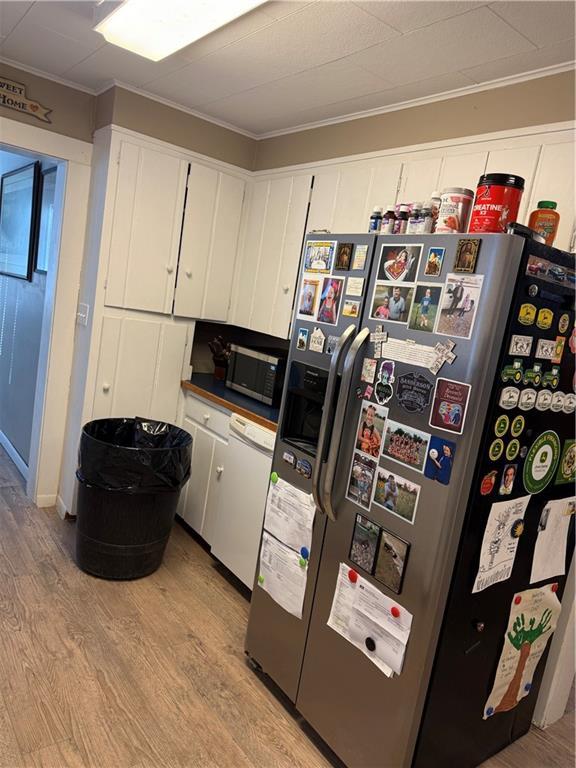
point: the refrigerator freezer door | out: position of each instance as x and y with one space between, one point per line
369 719
275 639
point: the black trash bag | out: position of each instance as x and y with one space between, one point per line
134 455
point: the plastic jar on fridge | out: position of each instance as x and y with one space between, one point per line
497 202
454 209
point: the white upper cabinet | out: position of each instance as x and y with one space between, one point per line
342 200
270 254
555 181
209 244
419 179
519 161
146 225
461 170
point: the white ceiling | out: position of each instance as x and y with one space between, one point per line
292 63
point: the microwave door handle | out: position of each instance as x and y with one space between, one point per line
339 419
341 347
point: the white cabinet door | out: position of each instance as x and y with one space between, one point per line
555 181
343 199
215 488
462 170
192 506
419 179
209 244
268 269
139 368
146 225
521 161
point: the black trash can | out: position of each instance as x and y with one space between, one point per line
130 473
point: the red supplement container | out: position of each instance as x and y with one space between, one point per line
496 203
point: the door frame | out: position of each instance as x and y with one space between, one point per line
63 281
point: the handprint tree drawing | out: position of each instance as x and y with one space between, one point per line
532 620
522 638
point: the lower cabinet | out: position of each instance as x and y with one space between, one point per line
199 498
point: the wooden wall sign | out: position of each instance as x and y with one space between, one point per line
13 96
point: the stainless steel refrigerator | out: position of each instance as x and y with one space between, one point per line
423 372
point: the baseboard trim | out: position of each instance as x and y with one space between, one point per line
19 462
46 500
61 508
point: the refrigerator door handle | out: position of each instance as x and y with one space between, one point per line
341 348
339 418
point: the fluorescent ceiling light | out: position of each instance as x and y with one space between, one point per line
157 28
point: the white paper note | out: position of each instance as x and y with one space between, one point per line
281 575
533 617
503 529
549 558
360 612
290 515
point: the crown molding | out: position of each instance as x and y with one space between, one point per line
175 105
444 96
46 76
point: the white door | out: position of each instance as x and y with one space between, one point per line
343 199
209 244
270 254
462 170
419 179
192 507
218 472
146 226
139 368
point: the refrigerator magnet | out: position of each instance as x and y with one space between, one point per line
466 255
405 445
434 262
309 297
449 405
569 403
459 305
488 483
396 494
567 466
355 286
319 255
541 461
361 480
317 340
391 561
368 370
527 399
509 398
544 318
563 322
330 297
359 260
302 339
559 349
414 392
527 314
371 428
425 307
351 308
383 388
520 345
392 302
439 459
343 256
331 343
399 263
364 543
496 449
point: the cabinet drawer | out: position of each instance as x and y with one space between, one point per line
207 415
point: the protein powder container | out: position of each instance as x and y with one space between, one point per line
454 209
497 202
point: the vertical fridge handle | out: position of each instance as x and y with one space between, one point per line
339 418
341 348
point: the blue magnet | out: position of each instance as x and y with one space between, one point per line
490 711
527 686
305 552
304 468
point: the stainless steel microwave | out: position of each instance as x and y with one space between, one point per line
256 373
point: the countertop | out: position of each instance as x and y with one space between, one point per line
206 386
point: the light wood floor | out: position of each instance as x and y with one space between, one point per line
145 674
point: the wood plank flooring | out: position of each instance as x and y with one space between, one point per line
149 673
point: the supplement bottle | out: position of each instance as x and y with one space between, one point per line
375 221
545 220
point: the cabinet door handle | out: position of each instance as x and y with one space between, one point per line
169 269
188 273
105 387
285 288
219 471
206 416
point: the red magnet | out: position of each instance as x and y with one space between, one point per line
353 576
517 600
554 587
395 612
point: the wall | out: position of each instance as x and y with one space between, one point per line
152 118
533 102
21 310
72 109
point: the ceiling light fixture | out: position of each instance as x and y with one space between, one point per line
157 28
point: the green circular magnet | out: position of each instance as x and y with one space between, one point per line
274 477
260 579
